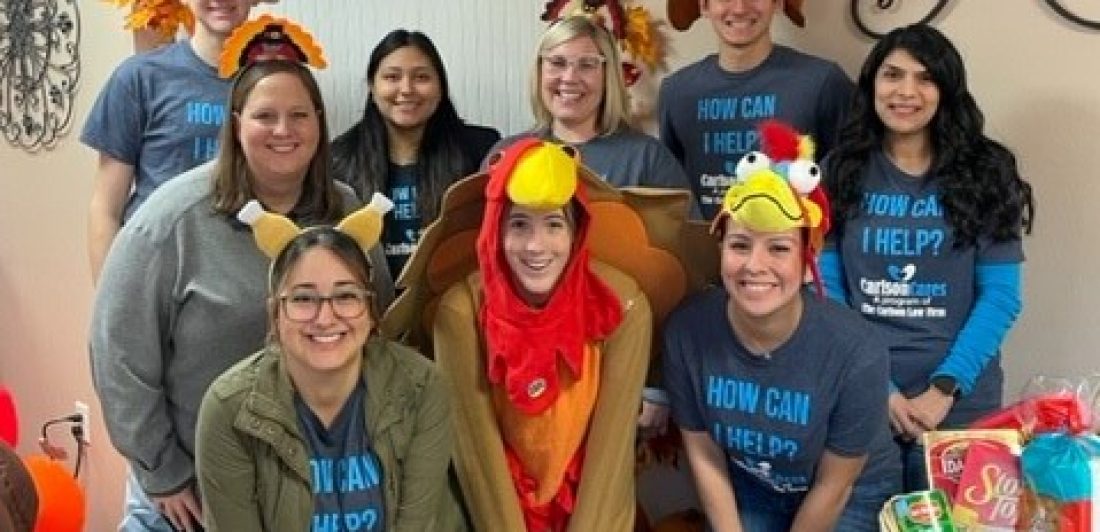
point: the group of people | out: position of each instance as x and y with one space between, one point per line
249 387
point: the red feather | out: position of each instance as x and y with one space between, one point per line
618 18
631 73
780 141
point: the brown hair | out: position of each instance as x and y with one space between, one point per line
324 237
319 201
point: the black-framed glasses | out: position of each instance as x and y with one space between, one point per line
305 305
558 64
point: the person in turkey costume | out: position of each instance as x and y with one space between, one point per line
536 291
548 346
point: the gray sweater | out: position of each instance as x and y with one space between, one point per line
181 298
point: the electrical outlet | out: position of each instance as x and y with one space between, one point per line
86 420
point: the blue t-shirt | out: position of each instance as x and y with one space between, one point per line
401 228
708 115
160 112
774 416
903 272
345 471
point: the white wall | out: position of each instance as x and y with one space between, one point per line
486 47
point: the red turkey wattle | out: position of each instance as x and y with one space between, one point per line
631 73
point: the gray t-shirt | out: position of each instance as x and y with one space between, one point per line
774 416
708 115
161 113
345 473
903 273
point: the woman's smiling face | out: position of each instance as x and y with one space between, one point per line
537 247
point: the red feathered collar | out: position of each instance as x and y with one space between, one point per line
523 343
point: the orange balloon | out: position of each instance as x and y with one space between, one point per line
18 500
60 498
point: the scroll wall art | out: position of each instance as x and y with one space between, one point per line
39 70
863 10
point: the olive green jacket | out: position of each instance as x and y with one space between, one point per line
252 460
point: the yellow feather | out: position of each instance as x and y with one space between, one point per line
806 147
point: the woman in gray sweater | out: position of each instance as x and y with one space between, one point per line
182 292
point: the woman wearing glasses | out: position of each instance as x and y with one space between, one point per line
579 98
181 294
329 427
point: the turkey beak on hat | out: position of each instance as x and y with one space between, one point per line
767 197
773 197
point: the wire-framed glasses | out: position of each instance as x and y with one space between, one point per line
305 305
558 64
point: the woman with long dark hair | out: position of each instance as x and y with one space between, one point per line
410 143
929 213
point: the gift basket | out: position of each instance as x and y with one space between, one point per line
1032 466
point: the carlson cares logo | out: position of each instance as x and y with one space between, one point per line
899 283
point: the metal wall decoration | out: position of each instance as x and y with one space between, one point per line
39 70
1065 13
883 5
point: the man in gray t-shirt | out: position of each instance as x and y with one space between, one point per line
708 110
157 116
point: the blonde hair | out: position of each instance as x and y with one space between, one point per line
614 110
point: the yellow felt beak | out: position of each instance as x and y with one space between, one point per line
765 202
545 177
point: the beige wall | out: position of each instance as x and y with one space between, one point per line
44 279
1041 95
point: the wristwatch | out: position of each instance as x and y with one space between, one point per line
946 385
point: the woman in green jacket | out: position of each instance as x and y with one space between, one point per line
330 427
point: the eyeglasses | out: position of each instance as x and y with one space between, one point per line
585 64
305 305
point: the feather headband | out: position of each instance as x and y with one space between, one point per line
267 38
